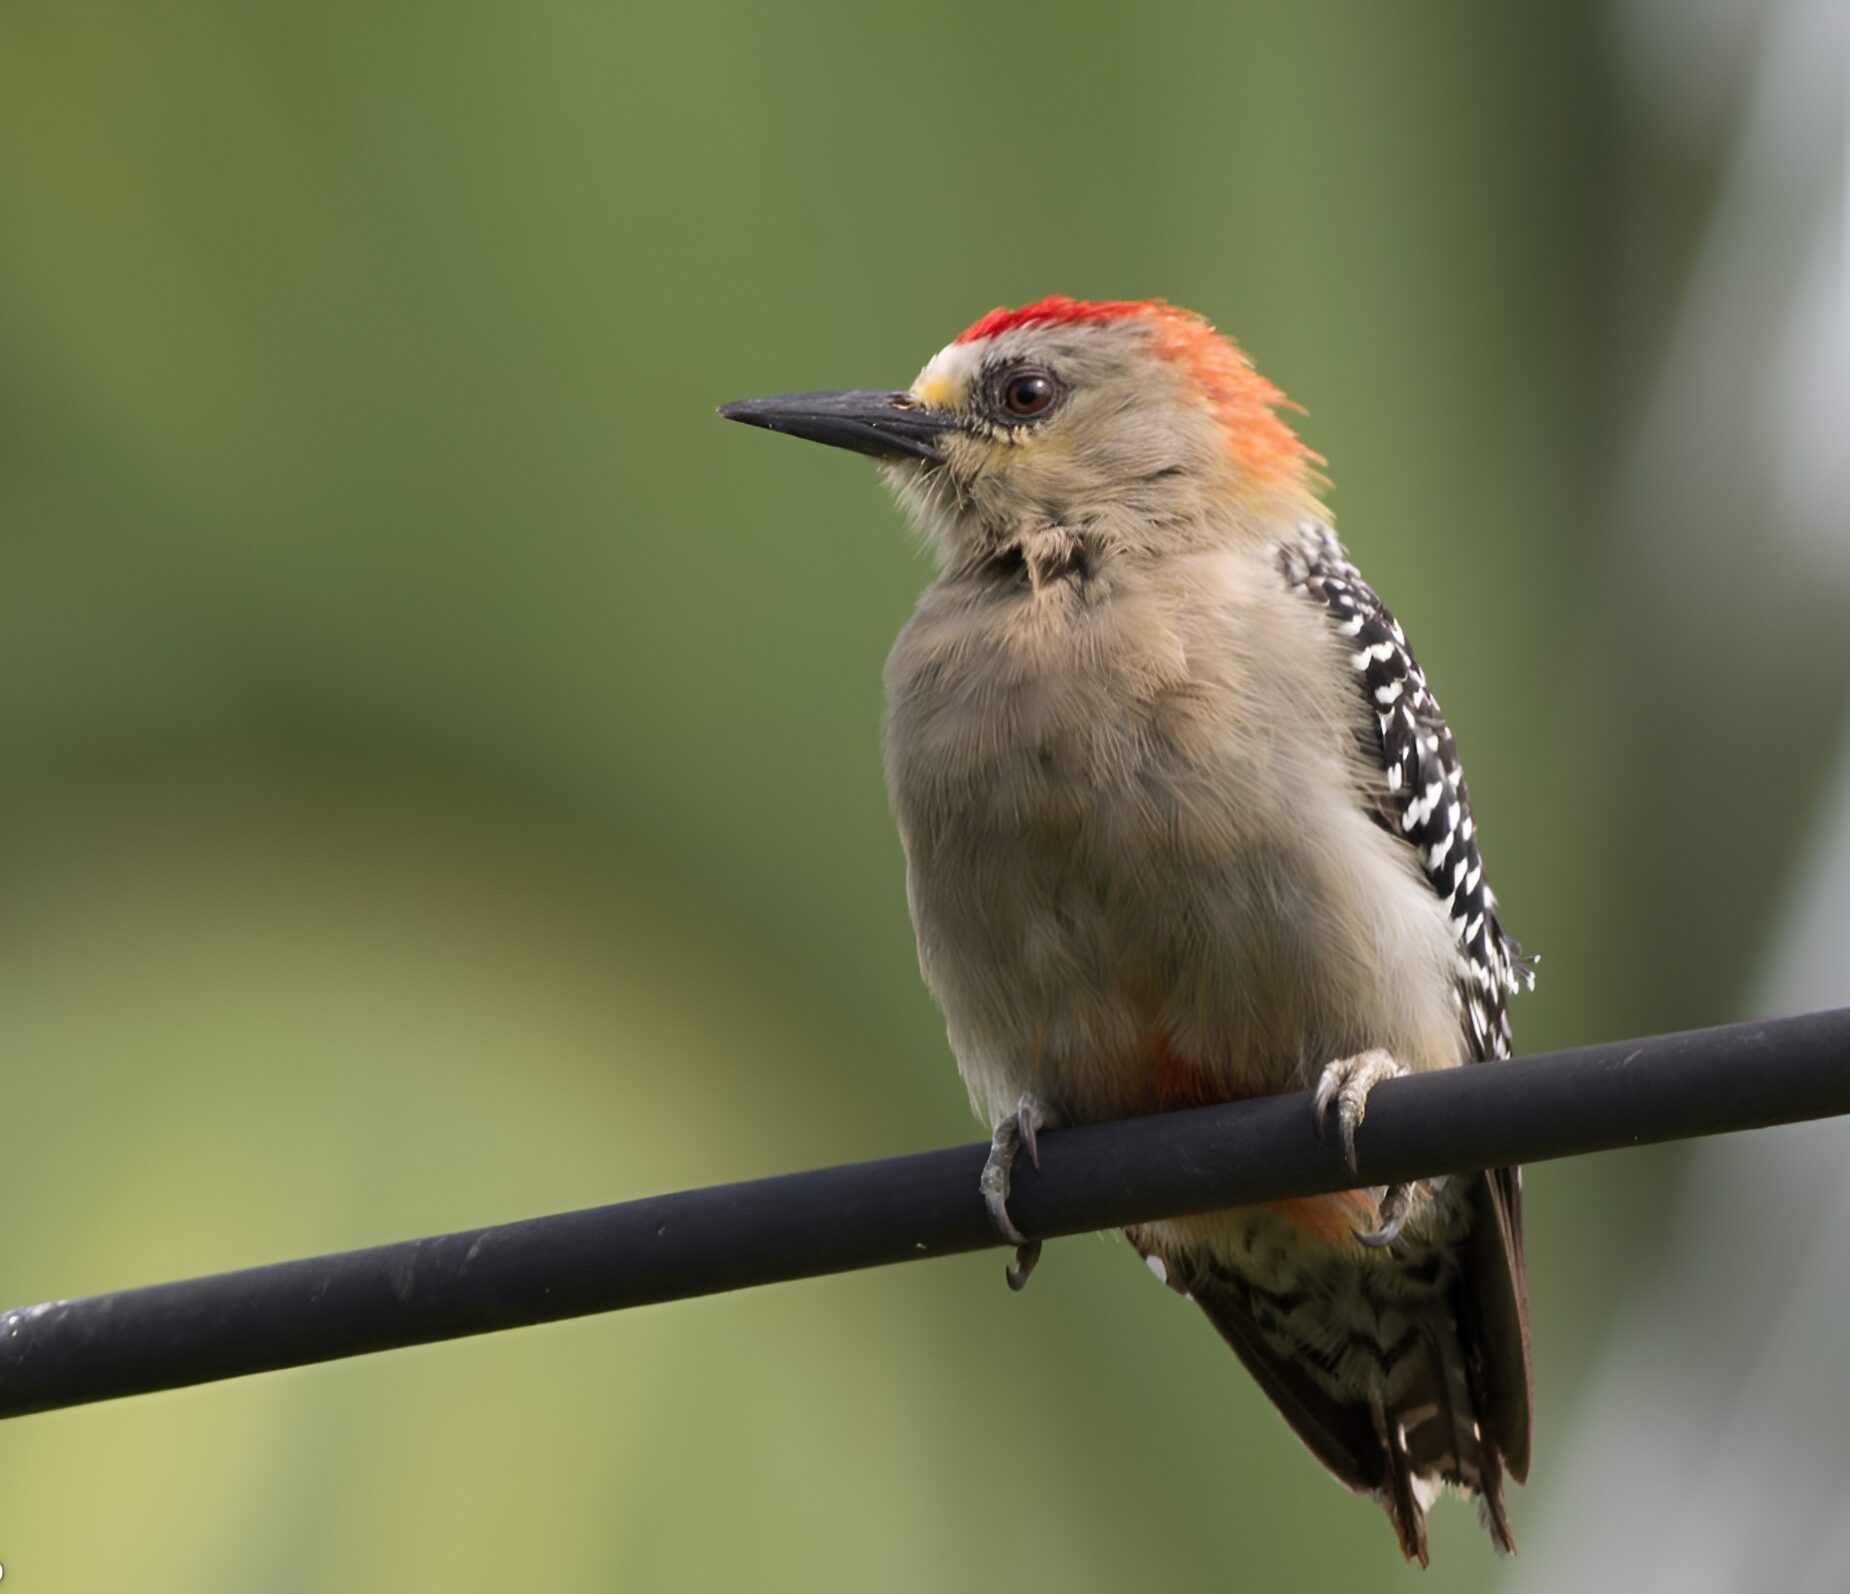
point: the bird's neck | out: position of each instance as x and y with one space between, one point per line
1039 556
1101 547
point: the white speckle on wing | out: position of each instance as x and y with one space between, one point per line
1422 784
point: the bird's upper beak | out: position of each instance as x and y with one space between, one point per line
886 425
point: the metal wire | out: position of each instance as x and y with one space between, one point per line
699 1242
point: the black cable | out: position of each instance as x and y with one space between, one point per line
1595 1098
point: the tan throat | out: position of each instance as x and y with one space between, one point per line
1040 557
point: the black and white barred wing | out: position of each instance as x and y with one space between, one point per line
1422 797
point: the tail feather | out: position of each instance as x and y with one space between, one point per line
1400 1449
1405 1508
1338 1435
1386 1373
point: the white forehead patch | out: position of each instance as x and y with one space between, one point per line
948 375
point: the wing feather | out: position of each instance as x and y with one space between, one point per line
1421 796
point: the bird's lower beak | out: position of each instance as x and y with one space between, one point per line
886 425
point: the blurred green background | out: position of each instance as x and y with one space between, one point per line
441 768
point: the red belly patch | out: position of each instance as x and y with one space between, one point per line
1178 1083
1336 1218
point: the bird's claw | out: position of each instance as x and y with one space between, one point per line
1397 1202
1346 1084
1015 1134
1027 1258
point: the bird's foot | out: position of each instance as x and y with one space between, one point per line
1346 1084
1397 1203
1014 1135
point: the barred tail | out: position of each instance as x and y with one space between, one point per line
1401 1381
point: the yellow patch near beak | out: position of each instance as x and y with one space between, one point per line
935 391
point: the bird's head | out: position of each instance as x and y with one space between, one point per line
1131 422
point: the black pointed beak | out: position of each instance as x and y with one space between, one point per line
886 425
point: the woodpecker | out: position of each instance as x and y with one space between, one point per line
1183 824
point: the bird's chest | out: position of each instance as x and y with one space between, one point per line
1132 859
1078 801
1040 737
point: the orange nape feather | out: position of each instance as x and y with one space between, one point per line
1242 400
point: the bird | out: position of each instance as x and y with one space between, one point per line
1183 824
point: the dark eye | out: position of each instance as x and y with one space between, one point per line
1028 395
1026 392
